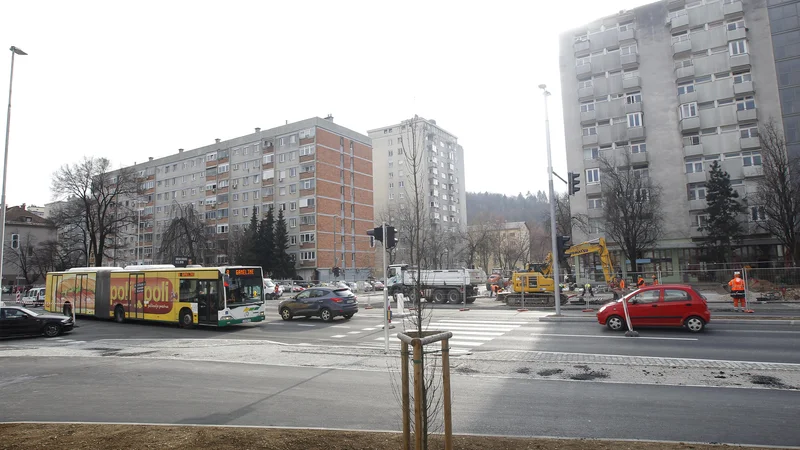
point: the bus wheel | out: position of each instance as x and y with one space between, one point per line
119 314
186 318
67 310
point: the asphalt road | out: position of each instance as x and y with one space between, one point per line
184 392
481 330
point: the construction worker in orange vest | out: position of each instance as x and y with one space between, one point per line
655 280
640 282
622 284
737 291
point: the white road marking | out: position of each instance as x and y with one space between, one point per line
339 326
338 336
472 322
368 329
306 325
614 337
353 332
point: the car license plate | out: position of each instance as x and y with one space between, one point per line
246 321
350 301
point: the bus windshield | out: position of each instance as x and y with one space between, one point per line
245 288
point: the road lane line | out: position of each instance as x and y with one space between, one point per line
337 336
614 337
339 326
353 332
484 322
306 325
368 329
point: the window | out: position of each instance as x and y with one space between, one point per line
236 197
292 206
689 110
701 220
306 150
402 184
634 120
292 240
639 147
307 256
680 37
748 132
292 188
595 203
641 172
697 191
686 87
306 237
691 140
587 131
725 101
694 165
282 191
282 142
222 168
15 241
592 176
209 157
757 214
743 77
591 153
751 158
737 47
581 37
705 105
267 159
731 26
703 79
293 222
587 106
687 62
633 97
585 84
628 50
744 103
646 297
628 74
308 184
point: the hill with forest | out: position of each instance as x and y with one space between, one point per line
518 208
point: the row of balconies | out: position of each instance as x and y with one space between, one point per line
608 110
684 21
607 62
635 159
690 124
751 143
620 132
585 46
627 84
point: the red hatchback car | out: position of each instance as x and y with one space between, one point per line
661 306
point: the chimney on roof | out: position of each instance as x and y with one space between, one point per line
23 206
258 129
180 150
150 158
329 117
217 139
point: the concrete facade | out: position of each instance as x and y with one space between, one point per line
318 172
674 86
25 230
784 20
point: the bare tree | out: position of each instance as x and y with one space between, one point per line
777 198
631 207
73 236
474 239
185 235
100 194
56 256
22 258
512 250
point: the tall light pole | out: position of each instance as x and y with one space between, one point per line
14 51
553 231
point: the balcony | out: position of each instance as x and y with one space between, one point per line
688 97
631 82
679 23
681 47
581 47
636 133
684 72
638 158
588 117
589 140
595 213
584 93
749 143
696 177
732 9
746 115
675 4
629 61
583 70
693 150
744 88
740 61
626 35
735 35
694 231
697 205
752 171
593 188
690 124
633 107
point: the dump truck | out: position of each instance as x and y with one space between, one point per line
439 286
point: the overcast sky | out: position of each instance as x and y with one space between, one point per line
129 80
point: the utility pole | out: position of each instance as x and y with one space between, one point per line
553 232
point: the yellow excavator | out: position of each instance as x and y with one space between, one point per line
537 285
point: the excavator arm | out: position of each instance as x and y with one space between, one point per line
545 268
595 246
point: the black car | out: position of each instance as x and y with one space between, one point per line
18 321
323 302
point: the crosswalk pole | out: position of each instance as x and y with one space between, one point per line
385 297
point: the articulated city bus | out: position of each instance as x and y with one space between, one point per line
217 296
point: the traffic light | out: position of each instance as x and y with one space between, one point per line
335 271
391 237
573 182
562 244
376 233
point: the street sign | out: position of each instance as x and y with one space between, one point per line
180 261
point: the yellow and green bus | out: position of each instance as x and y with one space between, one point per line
218 296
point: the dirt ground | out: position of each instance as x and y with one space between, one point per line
141 437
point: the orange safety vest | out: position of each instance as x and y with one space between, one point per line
640 283
655 281
736 284
622 284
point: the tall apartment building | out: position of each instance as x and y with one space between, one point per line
317 172
674 85
442 166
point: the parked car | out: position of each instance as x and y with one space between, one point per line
323 302
272 291
298 288
19 321
378 285
6 289
662 306
34 297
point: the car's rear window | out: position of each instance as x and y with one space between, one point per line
343 292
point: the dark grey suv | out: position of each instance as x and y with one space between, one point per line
324 302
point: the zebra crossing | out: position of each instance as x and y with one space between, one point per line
467 334
65 341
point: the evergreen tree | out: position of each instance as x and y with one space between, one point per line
248 250
284 266
266 244
723 227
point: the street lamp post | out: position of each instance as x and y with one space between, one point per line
553 232
14 51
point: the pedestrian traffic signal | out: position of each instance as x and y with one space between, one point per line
391 237
573 182
376 233
562 244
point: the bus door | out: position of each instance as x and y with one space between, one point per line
55 302
209 300
136 296
81 285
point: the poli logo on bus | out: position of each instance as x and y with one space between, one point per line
155 295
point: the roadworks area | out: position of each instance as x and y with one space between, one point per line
28 436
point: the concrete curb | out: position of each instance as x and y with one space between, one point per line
713 321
